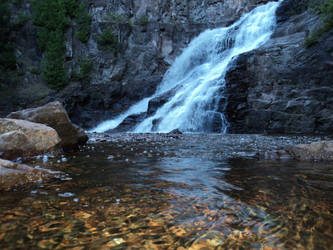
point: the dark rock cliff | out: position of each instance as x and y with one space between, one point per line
151 34
284 86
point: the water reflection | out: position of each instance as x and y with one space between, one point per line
172 194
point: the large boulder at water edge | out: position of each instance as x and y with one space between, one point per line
315 151
14 174
54 115
20 138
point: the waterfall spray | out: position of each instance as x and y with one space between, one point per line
196 79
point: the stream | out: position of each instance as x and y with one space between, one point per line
170 191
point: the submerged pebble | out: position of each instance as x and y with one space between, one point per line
66 195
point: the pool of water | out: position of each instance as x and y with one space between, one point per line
173 192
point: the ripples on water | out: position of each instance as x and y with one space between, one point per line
174 192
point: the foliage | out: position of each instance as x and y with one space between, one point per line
143 20
83 20
326 12
117 18
35 71
53 70
85 69
53 19
7 49
297 7
20 21
107 40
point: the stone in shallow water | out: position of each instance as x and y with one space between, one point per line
13 174
209 240
314 151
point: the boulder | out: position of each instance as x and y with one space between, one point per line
314 151
55 116
14 174
20 136
14 144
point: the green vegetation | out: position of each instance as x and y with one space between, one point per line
143 20
35 71
20 20
326 12
83 20
53 19
117 18
84 71
107 41
297 8
7 49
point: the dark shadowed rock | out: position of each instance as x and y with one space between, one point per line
175 132
14 174
54 115
129 123
284 86
157 102
40 137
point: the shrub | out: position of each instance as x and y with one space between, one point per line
143 20
35 70
20 20
84 71
326 12
53 19
117 18
107 41
7 48
53 70
83 20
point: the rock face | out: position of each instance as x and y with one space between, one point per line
30 138
55 116
145 51
13 174
284 87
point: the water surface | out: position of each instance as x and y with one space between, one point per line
174 192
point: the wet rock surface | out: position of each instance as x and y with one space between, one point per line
55 116
284 86
211 146
13 175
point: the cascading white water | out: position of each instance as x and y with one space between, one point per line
197 76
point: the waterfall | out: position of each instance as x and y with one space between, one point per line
194 83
